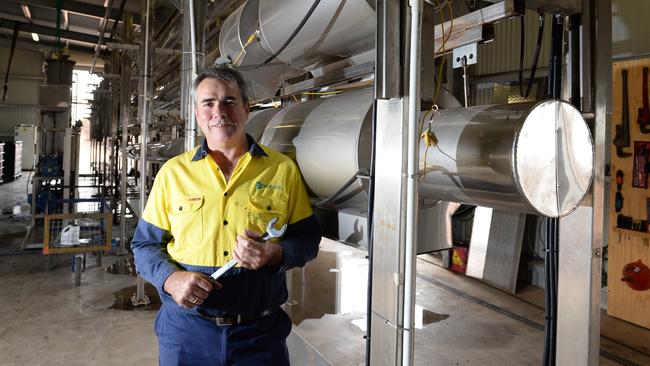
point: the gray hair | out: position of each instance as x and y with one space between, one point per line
223 73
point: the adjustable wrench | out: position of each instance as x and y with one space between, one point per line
271 232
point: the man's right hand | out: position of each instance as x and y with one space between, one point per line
189 289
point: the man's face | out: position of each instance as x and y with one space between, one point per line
220 111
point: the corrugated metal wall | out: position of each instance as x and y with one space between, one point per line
25 62
502 54
15 115
630 20
629 39
21 106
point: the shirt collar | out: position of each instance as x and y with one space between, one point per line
253 147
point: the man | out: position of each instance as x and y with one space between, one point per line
208 206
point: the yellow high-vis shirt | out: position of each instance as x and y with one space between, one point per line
203 213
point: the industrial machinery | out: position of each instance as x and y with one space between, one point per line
352 91
535 158
55 144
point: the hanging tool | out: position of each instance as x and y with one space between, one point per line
271 232
622 138
644 113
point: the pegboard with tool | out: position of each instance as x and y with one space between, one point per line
628 251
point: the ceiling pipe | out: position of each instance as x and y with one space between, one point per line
98 47
5 87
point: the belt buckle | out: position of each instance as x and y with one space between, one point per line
227 320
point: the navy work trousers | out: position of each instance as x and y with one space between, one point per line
185 339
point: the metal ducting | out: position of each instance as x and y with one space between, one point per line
235 33
330 139
336 30
258 120
534 158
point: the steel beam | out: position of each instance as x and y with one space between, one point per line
468 28
76 7
65 34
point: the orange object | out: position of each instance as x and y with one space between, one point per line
459 259
637 276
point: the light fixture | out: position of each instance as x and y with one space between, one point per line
26 12
35 36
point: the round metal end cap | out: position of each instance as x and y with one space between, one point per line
554 158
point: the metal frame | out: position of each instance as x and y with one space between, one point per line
580 258
106 216
581 246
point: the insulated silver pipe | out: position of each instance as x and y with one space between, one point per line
144 107
124 117
144 102
411 229
330 139
193 59
336 30
533 158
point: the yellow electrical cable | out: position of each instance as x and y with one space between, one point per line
439 81
442 47
250 40
429 140
442 25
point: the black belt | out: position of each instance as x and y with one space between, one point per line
233 319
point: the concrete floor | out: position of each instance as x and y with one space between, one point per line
46 320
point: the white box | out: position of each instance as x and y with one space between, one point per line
27 134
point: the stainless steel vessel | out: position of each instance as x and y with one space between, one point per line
534 158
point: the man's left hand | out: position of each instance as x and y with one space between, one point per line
253 253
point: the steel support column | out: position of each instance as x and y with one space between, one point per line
578 332
144 111
393 263
193 59
125 114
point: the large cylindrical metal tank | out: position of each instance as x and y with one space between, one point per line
330 139
535 158
336 29
236 30
258 120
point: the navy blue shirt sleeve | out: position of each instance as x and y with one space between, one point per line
152 261
300 243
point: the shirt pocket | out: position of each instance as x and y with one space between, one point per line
265 208
186 220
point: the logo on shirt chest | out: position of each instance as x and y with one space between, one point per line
261 185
